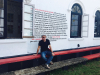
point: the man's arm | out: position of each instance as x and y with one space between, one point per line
51 50
37 50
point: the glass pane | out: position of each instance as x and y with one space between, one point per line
28 8
74 30
1 13
1 22
10 29
1 3
1 29
28 17
75 17
28 24
98 14
95 29
10 17
74 22
1 34
28 32
73 10
77 9
98 28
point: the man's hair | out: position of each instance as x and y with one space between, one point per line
43 35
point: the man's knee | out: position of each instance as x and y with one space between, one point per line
49 53
43 55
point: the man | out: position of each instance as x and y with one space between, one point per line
43 44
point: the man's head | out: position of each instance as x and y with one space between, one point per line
43 37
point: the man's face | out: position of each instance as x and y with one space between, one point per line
43 37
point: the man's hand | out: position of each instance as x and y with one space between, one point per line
35 54
53 54
37 51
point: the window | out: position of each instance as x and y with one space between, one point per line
97 24
10 26
76 17
14 20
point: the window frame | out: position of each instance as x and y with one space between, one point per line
79 22
79 26
5 20
97 19
85 27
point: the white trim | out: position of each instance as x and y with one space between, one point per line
5 41
75 39
27 1
97 8
79 2
97 38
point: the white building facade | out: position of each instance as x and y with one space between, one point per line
67 24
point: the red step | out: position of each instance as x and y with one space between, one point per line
18 59
92 56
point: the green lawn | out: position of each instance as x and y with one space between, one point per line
90 68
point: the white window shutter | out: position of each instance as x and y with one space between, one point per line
85 25
28 21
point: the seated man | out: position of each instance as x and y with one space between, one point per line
43 44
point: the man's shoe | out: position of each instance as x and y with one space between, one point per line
51 63
47 66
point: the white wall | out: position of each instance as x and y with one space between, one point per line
12 47
64 6
18 47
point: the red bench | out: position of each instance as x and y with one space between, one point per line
30 57
18 59
92 56
76 51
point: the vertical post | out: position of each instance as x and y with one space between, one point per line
99 50
35 62
3 68
77 54
90 52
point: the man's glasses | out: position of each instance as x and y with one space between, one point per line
43 37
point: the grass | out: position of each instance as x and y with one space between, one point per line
90 68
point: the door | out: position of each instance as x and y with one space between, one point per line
98 29
76 25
